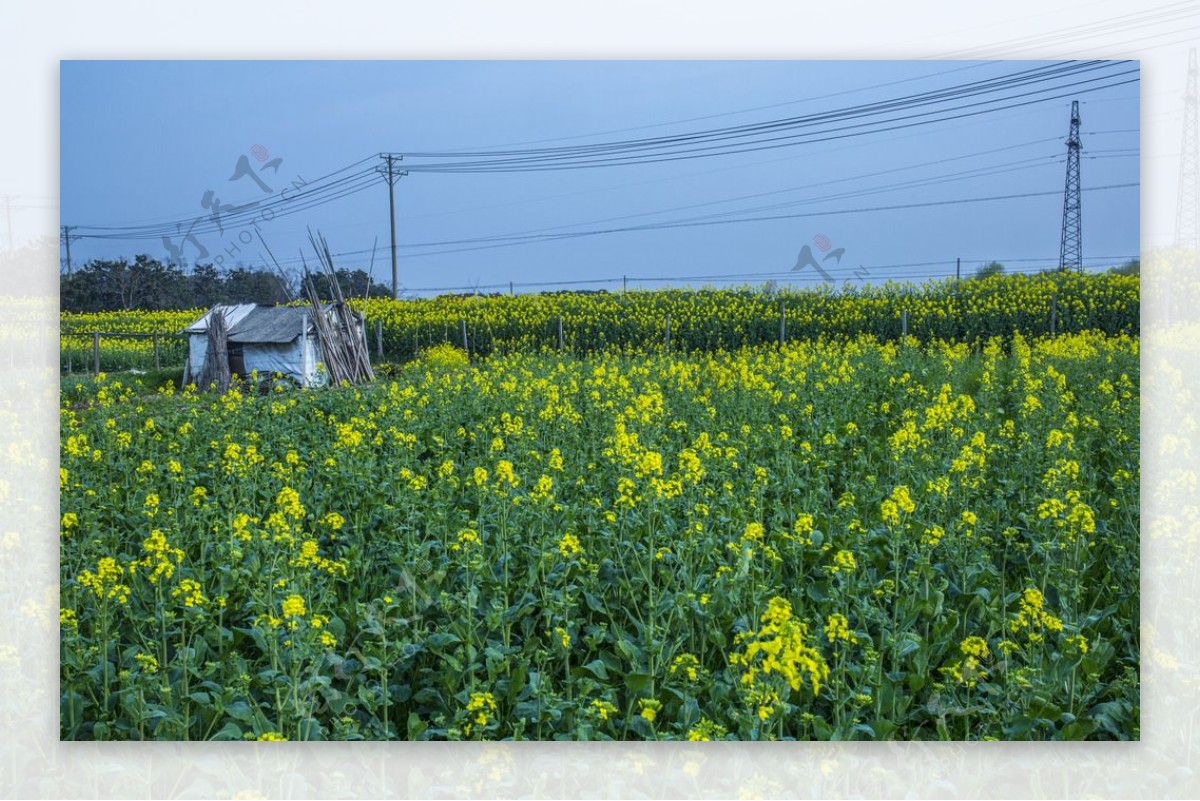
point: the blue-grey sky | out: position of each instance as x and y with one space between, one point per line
142 142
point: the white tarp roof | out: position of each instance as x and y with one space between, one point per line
233 315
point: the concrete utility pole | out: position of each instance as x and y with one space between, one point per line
392 176
67 241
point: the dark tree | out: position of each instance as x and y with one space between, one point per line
990 269
354 283
207 286
254 286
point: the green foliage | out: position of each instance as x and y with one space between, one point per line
146 283
832 540
990 269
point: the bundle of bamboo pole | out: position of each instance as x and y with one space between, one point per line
216 357
340 331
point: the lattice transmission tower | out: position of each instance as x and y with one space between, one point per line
1070 252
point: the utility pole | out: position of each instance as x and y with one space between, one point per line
392 176
1070 254
67 241
1187 222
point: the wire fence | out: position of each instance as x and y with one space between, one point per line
114 351
685 320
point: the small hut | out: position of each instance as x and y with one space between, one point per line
269 339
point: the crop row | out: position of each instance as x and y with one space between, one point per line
678 320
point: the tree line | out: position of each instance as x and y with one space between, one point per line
147 283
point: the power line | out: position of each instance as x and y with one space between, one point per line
172 219
1034 74
1173 12
515 166
308 196
750 138
845 273
732 113
513 240
856 193
766 218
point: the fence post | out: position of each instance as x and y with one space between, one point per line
416 349
904 322
379 339
157 365
782 323
560 336
1053 313
96 351
466 346
668 340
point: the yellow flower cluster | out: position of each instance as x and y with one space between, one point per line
293 606
568 546
310 556
780 647
843 562
969 670
687 666
838 628
106 581
481 708
161 558
705 731
649 708
603 709
1032 618
189 593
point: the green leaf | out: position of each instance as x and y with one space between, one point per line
909 642
636 682
230 731
597 668
864 729
442 639
240 710
1078 729
310 729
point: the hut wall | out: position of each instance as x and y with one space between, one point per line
312 355
197 350
276 357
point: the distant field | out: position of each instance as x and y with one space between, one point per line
702 320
